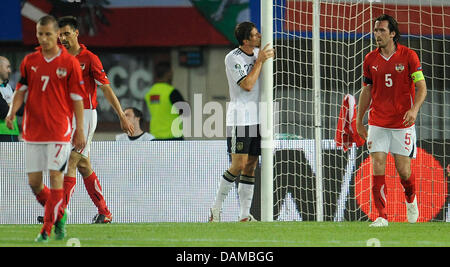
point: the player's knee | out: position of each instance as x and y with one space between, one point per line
237 167
249 170
36 187
404 173
378 167
84 168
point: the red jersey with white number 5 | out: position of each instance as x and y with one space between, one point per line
93 75
52 85
393 90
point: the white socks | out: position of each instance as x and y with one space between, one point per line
245 191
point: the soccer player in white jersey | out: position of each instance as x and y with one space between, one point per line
243 67
135 116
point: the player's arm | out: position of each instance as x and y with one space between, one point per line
248 82
363 105
78 141
421 93
112 99
17 101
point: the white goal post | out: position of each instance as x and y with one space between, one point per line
320 47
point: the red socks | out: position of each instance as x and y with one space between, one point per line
53 209
379 194
379 191
410 188
69 187
43 196
95 192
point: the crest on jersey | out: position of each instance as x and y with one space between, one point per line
239 146
83 65
399 67
61 72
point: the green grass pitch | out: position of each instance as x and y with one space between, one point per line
253 234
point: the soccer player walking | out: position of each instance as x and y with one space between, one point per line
392 73
93 75
243 68
52 78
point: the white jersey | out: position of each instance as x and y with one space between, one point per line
243 108
7 93
144 137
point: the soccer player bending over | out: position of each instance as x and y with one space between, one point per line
243 68
93 75
52 78
392 72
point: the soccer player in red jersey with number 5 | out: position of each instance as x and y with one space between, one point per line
52 79
392 73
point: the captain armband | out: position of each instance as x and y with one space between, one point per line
417 76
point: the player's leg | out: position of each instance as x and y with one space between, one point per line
404 148
70 177
57 156
94 189
226 183
379 189
90 123
235 148
247 179
246 188
378 142
35 161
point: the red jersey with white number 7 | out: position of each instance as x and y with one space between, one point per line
393 88
52 85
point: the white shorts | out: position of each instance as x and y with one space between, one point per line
90 124
397 141
42 157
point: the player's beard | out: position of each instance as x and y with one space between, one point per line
66 45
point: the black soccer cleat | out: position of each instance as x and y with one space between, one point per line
101 218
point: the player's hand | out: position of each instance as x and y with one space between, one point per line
409 118
9 121
78 141
266 53
126 126
361 129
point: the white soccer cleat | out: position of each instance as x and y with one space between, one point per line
250 218
412 211
379 222
214 215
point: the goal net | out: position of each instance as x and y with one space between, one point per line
345 33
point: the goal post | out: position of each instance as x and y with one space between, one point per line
320 48
267 115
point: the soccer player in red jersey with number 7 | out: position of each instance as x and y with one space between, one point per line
392 73
52 78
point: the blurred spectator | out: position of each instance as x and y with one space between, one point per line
7 135
160 99
135 116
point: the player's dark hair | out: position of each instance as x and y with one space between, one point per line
45 20
69 20
393 25
137 113
161 69
243 31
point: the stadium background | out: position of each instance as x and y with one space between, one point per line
130 37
